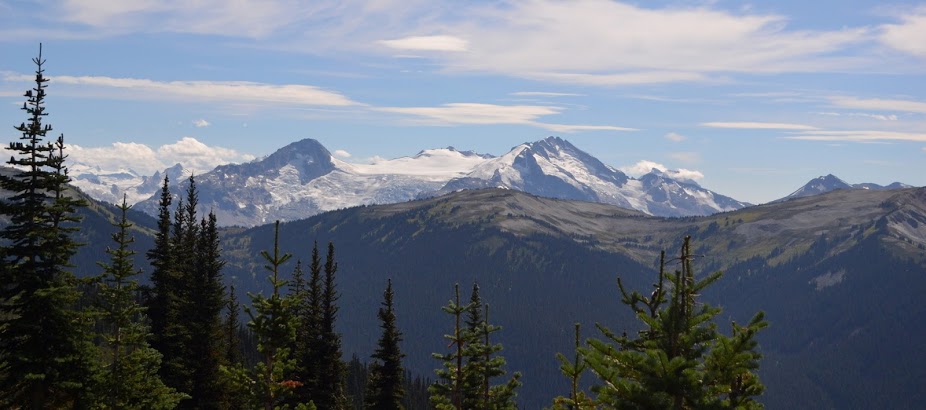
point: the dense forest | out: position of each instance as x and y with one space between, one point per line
178 339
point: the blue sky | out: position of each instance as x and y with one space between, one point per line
755 98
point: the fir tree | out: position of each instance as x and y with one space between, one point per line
385 388
129 380
573 370
332 370
679 360
447 390
309 343
232 323
206 302
45 353
465 382
274 326
164 286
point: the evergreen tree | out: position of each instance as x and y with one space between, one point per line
205 305
385 388
573 370
164 286
232 323
309 343
129 380
465 382
447 390
330 392
679 360
45 352
274 326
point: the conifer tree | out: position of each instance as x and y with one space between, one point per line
45 352
679 360
385 388
332 370
465 382
163 282
274 326
206 302
447 390
232 323
308 345
129 380
573 370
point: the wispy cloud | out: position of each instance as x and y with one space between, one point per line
427 43
213 91
673 136
758 125
859 136
878 104
484 114
341 153
200 123
880 117
545 94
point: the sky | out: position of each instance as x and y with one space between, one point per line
752 98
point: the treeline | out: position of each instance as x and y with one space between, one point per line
103 342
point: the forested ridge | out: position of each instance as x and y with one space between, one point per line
177 313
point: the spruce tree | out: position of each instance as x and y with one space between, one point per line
679 360
465 382
274 326
332 370
129 380
447 390
385 388
207 300
573 369
309 343
163 282
45 353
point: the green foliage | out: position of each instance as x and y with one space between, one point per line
573 370
385 389
129 379
45 352
465 379
679 360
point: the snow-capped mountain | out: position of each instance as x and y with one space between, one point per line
303 179
830 182
110 185
555 168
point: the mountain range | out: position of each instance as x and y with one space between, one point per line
303 179
840 276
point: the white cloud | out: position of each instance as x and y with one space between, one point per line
545 94
859 136
194 155
644 167
600 42
908 35
880 117
485 114
878 104
758 125
672 136
200 123
427 43
341 153
229 92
